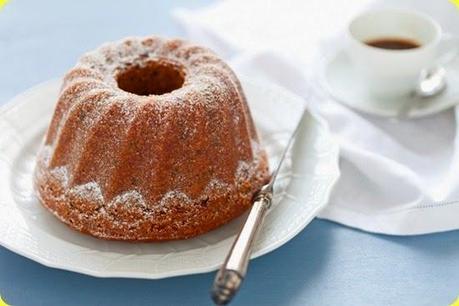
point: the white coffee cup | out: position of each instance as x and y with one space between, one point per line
388 72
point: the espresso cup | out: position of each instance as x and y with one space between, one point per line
377 41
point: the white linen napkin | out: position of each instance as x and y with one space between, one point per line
398 177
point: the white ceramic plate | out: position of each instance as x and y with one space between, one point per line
28 229
346 87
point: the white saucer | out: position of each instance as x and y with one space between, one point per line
346 87
28 229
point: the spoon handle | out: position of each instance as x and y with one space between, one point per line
231 274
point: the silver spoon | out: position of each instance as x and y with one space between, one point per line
432 82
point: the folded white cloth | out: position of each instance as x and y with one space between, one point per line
398 177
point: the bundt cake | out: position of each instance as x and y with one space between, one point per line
151 139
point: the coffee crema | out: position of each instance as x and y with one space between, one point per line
391 43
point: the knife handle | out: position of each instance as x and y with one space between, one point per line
232 272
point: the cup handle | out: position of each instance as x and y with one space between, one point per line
448 50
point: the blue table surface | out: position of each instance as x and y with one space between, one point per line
326 264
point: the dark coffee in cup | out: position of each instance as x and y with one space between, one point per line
393 43
389 48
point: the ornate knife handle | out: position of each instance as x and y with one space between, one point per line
232 272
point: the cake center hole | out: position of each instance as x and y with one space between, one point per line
153 78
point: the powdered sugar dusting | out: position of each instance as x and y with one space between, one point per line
90 191
129 199
60 174
174 196
125 166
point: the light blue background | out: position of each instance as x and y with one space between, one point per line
326 264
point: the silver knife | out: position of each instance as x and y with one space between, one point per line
231 274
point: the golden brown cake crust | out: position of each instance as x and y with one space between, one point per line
151 139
